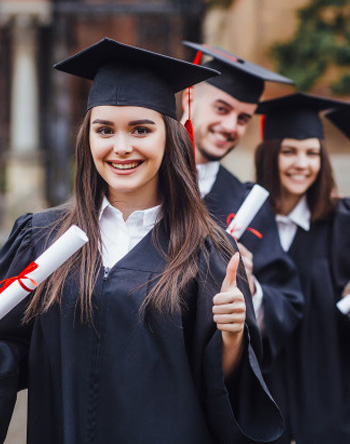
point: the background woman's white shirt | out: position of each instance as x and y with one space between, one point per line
288 225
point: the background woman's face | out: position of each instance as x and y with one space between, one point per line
299 162
127 145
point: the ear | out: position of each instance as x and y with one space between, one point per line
186 96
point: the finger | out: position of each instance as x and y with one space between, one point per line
236 318
230 328
235 307
246 254
229 282
228 297
243 249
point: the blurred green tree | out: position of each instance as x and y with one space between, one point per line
322 40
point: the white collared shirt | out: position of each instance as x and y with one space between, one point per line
288 225
119 236
207 173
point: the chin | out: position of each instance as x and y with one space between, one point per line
212 156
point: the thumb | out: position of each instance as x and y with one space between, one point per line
231 272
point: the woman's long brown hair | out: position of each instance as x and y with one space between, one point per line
319 195
186 220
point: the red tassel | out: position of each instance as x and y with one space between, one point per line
262 126
188 124
197 59
189 128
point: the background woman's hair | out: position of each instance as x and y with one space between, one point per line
185 218
319 195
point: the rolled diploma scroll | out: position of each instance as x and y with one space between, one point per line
247 211
344 304
61 250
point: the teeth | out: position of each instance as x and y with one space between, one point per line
221 137
125 166
298 176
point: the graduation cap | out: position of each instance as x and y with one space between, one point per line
341 119
295 116
239 78
125 75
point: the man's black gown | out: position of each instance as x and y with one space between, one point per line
276 273
128 379
311 379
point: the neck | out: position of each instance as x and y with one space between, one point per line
199 158
127 204
289 203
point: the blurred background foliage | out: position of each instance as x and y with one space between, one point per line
322 41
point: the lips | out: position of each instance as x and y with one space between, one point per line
298 177
130 165
222 138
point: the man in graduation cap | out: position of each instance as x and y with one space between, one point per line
221 109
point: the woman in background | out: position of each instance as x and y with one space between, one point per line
311 380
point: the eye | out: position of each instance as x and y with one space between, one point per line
287 151
104 130
243 120
220 109
141 131
314 153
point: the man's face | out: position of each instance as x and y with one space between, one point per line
219 121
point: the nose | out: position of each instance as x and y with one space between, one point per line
229 124
301 161
122 145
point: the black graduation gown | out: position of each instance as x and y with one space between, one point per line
124 379
276 273
311 380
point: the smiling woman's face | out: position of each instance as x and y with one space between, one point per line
299 162
127 145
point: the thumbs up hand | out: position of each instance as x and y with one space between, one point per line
229 305
229 314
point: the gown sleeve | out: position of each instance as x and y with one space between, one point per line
242 402
340 248
15 255
282 301
340 263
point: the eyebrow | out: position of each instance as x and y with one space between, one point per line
249 116
132 123
223 103
141 122
103 122
306 148
232 107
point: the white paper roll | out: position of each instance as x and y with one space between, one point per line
247 211
61 250
344 304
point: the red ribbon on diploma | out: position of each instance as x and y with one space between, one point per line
23 275
252 230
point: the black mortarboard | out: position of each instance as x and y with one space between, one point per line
125 75
295 116
239 78
341 118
